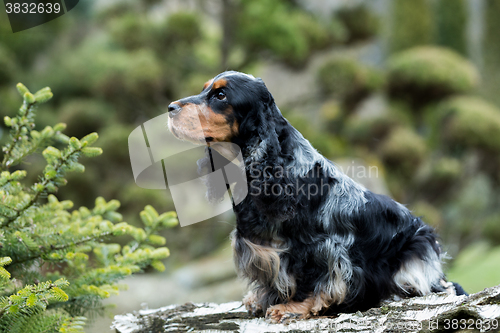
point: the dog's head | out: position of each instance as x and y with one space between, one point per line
237 108
228 104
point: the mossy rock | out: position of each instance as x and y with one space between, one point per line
326 143
369 131
446 169
332 116
437 178
470 122
348 79
318 35
403 150
443 169
425 74
360 23
330 111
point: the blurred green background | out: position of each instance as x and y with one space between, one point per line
411 88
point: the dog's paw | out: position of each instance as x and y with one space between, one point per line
251 304
281 314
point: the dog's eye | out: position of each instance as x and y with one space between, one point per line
220 95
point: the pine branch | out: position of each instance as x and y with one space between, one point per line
40 188
24 124
53 248
16 135
50 233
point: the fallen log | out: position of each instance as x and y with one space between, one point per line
478 312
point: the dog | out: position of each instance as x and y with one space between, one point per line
308 239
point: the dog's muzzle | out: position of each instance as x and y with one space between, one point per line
173 109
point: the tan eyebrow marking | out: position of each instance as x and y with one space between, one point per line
208 83
220 83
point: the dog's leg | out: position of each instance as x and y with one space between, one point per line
284 313
252 304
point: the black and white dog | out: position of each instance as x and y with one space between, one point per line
308 238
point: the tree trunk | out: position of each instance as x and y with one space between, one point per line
432 313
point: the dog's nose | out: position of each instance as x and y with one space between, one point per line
174 109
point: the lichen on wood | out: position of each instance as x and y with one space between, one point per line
432 313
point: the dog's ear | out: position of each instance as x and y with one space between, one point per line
271 186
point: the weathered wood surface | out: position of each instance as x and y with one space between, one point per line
432 313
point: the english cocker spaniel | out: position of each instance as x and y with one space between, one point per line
308 238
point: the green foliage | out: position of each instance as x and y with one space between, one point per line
182 28
491 50
446 170
478 257
7 65
431 214
452 24
360 22
125 61
85 115
26 140
108 73
438 149
492 40
491 229
134 31
348 79
412 24
403 150
289 34
23 43
56 265
130 31
471 122
326 144
425 74
475 203
370 131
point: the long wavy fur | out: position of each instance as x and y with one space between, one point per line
344 248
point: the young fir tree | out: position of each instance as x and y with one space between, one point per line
57 264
